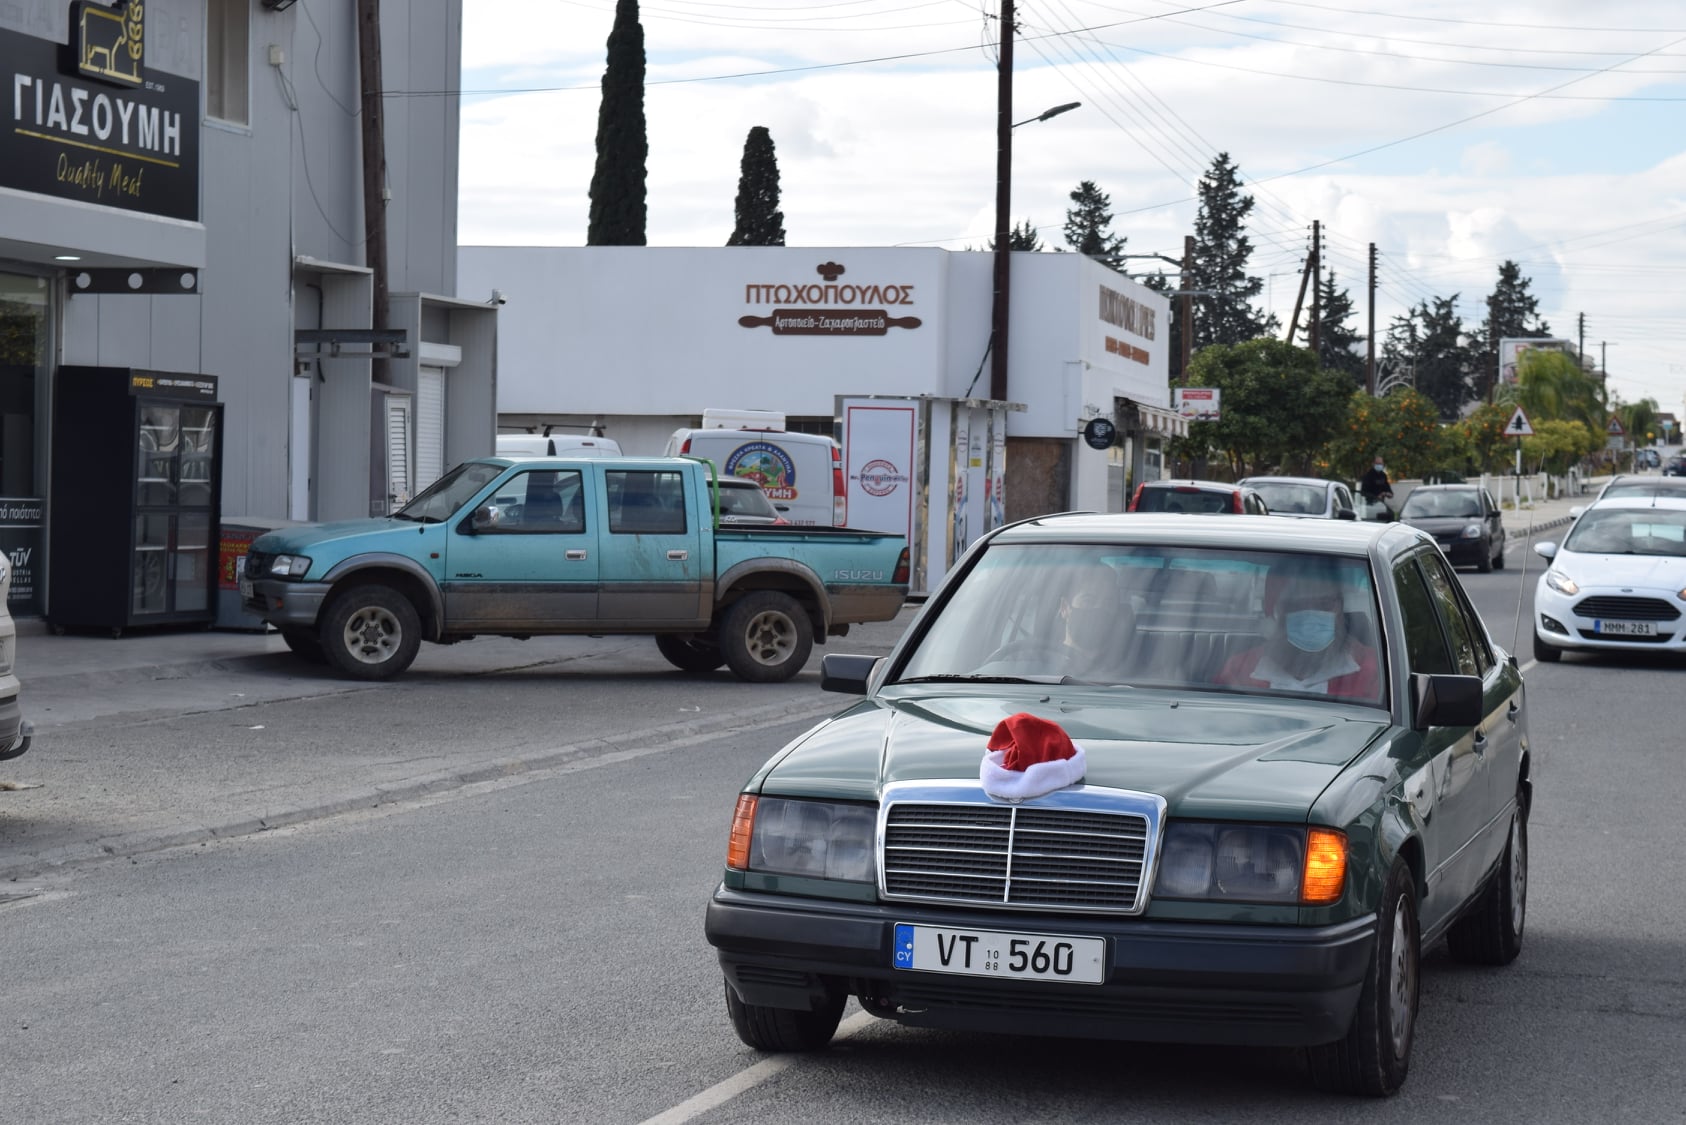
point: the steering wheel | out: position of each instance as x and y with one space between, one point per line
1051 656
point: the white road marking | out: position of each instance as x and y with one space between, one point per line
745 1080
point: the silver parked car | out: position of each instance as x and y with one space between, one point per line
1305 497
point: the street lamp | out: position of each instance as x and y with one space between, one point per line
1004 126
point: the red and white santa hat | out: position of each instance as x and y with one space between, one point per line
1029 757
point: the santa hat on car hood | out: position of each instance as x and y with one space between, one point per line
1029 757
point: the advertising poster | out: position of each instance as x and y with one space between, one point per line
20 540
878 452
1197 404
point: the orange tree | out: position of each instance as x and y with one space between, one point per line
1403 427
1481 436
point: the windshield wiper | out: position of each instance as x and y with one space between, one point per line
956 679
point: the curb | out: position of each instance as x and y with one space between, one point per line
633 743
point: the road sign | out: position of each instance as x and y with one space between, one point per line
1615 429
1518 425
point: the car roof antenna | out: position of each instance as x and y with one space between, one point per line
1522 584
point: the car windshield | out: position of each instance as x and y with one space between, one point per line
1292 499
1443 505
1160 617
1629 531
450 492
1185 498
740 503
1645 486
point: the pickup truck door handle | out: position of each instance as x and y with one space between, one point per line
574 553
1514 708
1480 743
678 555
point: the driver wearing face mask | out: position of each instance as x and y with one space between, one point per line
1309 649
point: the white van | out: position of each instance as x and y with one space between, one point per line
802 474
556 445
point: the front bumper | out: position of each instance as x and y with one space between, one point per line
1174 982
1557 623
286 604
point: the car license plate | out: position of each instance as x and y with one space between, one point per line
1625 628
990 953
245 588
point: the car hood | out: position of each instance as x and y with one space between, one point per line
1218 756
302 540
1440 523
1603 572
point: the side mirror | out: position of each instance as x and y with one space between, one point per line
1445 701
1575 512
846 673
485 518
1547 551
1345 514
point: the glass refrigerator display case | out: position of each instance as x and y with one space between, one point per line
134 500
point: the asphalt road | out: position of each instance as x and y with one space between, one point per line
529 947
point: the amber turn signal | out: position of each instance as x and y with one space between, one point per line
743 827
1325 866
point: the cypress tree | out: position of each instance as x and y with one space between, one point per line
1221 252
759 220
1088 226
1512 311
617 185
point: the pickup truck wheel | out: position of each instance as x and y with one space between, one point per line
370 633
766 637
784 1029
689 654
305 645
1375 1055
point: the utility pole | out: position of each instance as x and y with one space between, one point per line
374 163
1188 304
1580 349
1316 286
1003 207
1294 321
1370 353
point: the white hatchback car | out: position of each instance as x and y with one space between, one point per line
1618 582
15 730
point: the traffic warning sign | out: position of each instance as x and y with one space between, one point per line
1518 426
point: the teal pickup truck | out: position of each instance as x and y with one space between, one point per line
595 546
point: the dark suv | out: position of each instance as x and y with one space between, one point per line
1198 497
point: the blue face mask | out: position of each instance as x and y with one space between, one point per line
1311 630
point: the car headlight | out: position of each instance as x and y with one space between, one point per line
1472 531
1561 582
289 566
1268 863
816 839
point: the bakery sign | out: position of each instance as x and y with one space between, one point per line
88 120
830 306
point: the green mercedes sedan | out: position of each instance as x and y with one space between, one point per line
1176 778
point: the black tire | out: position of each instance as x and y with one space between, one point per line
689 654
766 637
1375 1055
1499 559
1491 933
1545 652
1485 563
785 1029
370 633
305 645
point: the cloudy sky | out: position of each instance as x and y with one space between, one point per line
1453 136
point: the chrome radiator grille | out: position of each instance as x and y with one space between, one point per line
980 853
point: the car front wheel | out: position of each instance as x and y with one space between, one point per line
1375 1055
785 1029
370 632
1546 652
